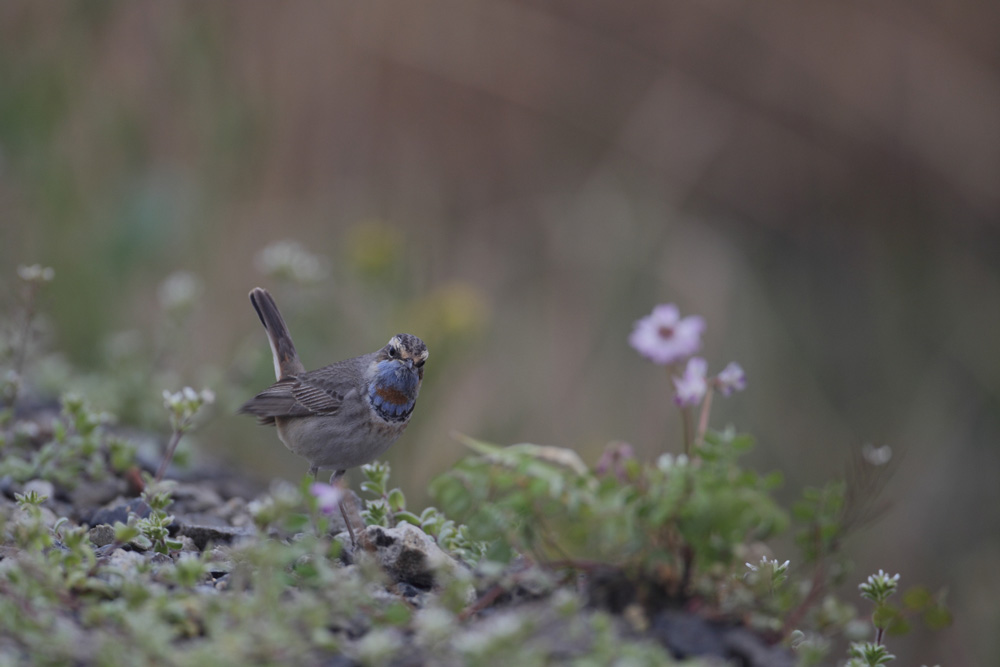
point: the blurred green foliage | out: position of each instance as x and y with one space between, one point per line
546 502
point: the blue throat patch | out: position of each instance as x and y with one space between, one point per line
393 391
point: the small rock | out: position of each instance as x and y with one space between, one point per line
378 594
46 516
102 535
192 498
407 590
106 550
688 635
42 487
187 544
236 486
232 508
754 652
88 494
119 511
416 597
202 535
160 559
126 561
8 487
8 552
409 555
219 561
200 519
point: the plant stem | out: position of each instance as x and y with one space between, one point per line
22 341
816 590
687 561
168 456
706 408
686 420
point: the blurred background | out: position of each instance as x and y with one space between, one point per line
517 182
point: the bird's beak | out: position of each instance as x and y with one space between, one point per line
409 364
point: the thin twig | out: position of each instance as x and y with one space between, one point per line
816 589
29 316
687 565
706 408
169 454
489 597
686 421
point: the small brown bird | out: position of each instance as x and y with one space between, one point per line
342 415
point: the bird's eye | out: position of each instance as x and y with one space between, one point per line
393 353
419 363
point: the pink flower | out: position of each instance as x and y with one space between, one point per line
731 379
327 497
664 337
614 458
691 386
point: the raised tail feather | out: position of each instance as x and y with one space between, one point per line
286 359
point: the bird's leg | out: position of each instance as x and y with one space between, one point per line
314 471
334 479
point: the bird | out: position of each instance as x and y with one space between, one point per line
343 415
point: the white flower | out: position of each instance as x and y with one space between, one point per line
36 273
185 404
179 291
877 456
291 261
668 461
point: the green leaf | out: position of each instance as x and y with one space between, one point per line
885 615
408 517
804 511
141 542
478 446
125 533
899 626
397 501
742 443
397 614
297 523
917 599
937 617
773 480
307 570
372 487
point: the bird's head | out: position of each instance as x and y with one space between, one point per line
403 350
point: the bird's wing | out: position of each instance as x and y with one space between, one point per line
318 392
317 396
297 396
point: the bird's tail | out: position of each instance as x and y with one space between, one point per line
286 359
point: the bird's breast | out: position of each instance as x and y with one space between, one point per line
392 403
392 395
